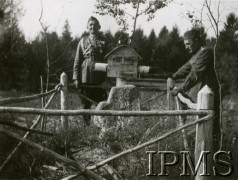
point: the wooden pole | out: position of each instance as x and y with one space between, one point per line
64 106
204 132
27 98
57 112
64 99
170 84
42 103
170 98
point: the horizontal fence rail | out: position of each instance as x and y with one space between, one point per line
28 98
102 112
147 83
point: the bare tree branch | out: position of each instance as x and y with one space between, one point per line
215 24
136 16
47 48
211 16
146 10
211 22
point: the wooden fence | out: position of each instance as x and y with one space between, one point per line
203 110
204 130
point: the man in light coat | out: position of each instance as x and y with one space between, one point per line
91 49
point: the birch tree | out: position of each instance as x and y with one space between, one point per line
127 11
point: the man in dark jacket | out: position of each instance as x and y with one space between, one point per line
198 72
91 49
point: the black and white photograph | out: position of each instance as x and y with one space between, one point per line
118 89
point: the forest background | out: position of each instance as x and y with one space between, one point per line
23 62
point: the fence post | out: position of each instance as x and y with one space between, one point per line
43 118
170 83
64 99
204 133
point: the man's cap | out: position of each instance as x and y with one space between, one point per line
92 18
192 34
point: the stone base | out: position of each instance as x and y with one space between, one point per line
120 98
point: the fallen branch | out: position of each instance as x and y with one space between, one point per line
8 123
71 177
206 118
51 168
110 170
67 161
114 174
27 98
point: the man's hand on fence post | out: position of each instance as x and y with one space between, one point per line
170 83
76 84
175 91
